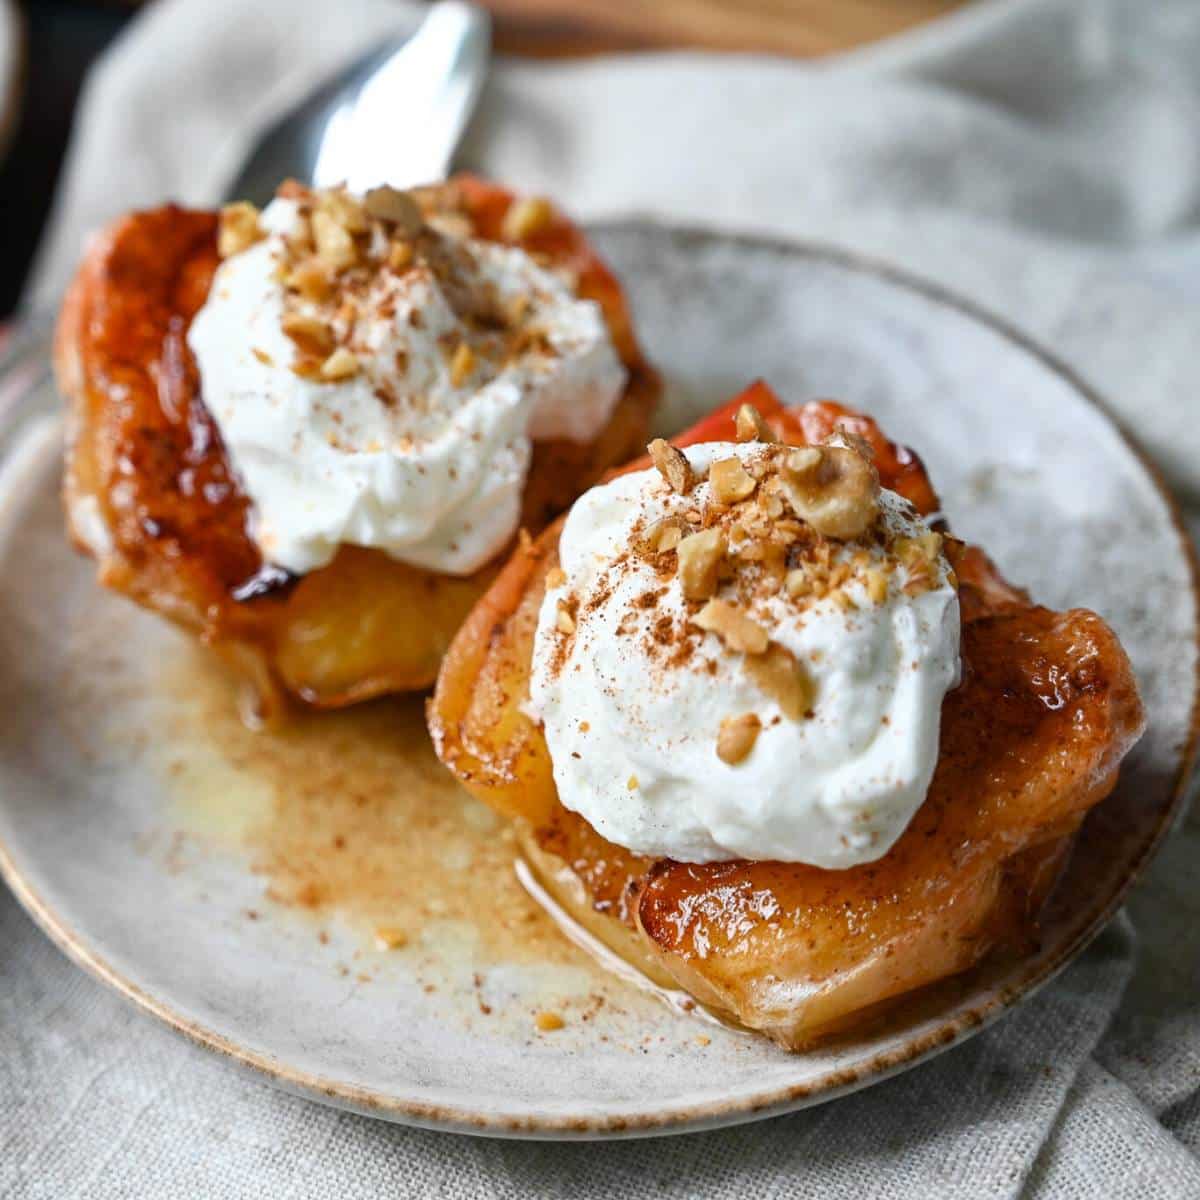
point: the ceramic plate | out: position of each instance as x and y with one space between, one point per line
242 887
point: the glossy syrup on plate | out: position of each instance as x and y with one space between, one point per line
350 820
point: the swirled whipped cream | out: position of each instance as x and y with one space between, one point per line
745 656
378 378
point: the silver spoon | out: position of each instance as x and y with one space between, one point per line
395 116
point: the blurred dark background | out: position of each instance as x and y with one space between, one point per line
62 37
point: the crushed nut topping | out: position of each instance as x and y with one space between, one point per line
311 335
732 626
801 523
389 937
664 536
563 619
400 257
238 229
730 482
336 247
452 224
344 209
783 677
672 465
549 1022
877 585
700 556
311 279
526 218
833 488
398 208
341 364
342 260
555 577
462 364
737 737
750 426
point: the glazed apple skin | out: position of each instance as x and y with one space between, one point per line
145 455
1030 741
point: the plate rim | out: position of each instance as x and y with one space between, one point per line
778 1099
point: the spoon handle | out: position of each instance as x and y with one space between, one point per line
402 126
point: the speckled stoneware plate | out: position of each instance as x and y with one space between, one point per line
232 883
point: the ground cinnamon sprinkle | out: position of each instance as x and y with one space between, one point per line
772 520
348 260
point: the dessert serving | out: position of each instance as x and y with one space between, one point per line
310 434
771 733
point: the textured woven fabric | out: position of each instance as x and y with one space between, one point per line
1039 156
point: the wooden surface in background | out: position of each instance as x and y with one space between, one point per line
803 28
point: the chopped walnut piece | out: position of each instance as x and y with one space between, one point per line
388 937
700 556
920 550
341 364
730 481
919 556
526 218
662 537
516 308
732 626
299 237
451 224
784 679
434 197
672 465
667 537
395 207
239 229
345 209
462 364
335 246
877 584
798 582
311 279
310 334
833 488
555 577
400 256
750 426
563 621
737 737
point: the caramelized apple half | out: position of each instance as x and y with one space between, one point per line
150 493
1029 742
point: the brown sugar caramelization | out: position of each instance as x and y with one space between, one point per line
148 485
1031 740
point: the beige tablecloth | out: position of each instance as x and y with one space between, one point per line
1039 156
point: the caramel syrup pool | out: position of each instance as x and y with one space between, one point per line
348 816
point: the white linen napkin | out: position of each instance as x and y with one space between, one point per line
1038 156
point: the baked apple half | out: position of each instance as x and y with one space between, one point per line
771 733
309 435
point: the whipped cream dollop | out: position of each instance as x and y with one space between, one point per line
399 411
648 698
